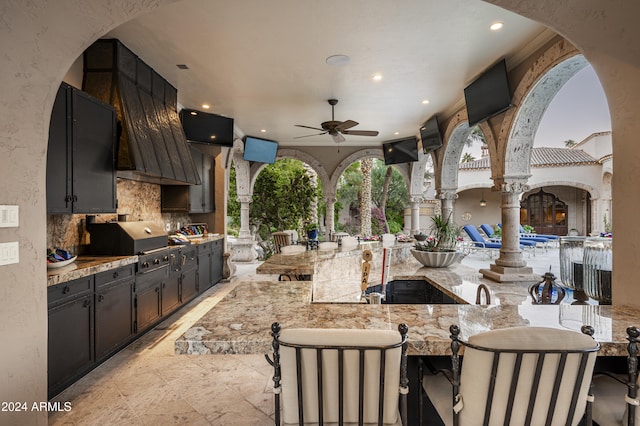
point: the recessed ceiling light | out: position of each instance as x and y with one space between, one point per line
496 26
205 106
263 130
396 133
212 137
193 113
337 60
377 77
425 101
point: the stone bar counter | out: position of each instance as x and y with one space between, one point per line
240 323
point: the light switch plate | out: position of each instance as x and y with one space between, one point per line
8 216
9 253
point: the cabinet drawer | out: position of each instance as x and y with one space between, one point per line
112 275
63 291
189 259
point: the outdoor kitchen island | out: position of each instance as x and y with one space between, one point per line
240 323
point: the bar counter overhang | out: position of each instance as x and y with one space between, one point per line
240 323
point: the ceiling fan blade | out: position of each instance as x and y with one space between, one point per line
361 132
306 136
346 125
337 137
309 127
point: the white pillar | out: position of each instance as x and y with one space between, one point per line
415 215
510 266
330 202
447 198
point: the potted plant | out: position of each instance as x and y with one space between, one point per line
312 230
439 249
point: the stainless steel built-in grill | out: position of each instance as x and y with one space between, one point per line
126 238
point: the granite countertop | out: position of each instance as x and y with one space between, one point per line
87 265
240 323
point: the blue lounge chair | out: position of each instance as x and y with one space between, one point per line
525 241
547 236
479 242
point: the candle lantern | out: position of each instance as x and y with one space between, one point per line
547 291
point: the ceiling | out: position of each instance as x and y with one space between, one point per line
263 62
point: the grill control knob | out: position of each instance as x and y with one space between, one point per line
145 264
165 258
156 261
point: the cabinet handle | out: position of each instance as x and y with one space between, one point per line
66 289
75 198
100 297
157 289
86 304
115 275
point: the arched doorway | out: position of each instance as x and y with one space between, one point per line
545 212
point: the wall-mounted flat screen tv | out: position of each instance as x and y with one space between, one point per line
403 150
204 127
260 150
488 95
430 135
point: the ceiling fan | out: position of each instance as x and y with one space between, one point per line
337 128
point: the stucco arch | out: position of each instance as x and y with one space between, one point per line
404 169
594 192
534 92
297 155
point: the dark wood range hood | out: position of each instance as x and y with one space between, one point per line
152 146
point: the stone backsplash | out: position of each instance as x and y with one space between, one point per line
137 200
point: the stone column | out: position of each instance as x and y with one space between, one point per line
447 197
510 266
330 201
596 216
415 215
244 248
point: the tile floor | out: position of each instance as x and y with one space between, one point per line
147 384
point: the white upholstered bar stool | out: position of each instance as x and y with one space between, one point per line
331 376
516 376
616 395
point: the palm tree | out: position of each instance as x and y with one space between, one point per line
366 165
569 143
467 158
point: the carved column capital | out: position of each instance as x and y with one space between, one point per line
514 185
416 199
245 198
447 194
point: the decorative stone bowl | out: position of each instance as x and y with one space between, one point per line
420 237
437 259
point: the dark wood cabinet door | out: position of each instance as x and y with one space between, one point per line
70 349
80 155
114 316
147 302
59 156
204 271
170 293
216 261
93 130
196 194
189 284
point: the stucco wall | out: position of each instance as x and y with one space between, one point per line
39 40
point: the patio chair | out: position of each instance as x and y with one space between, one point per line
526 242
518 375
551 239
353 376
616 395
479 243
281 239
